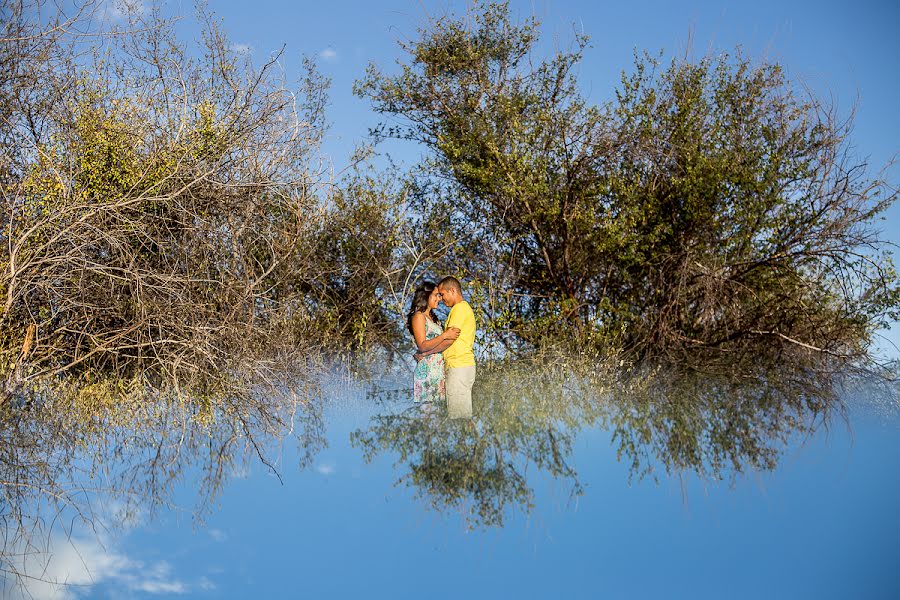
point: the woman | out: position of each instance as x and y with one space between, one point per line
426 329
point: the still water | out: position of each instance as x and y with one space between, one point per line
643 489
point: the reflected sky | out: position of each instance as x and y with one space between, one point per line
404 502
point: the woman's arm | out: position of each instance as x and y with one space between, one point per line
439 348
426 345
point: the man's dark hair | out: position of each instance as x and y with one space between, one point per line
452 283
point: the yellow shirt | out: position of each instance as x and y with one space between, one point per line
460 353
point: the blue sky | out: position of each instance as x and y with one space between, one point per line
845 52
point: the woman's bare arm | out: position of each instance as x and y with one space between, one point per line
439 348
426 345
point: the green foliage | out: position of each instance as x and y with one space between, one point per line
157 212
356 245
737 213
708 209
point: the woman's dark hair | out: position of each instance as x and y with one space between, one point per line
420 303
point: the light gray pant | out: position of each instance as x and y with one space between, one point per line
459 391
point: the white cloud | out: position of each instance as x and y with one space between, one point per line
67 567
242 48
218 535
160 587
155 580
325 468
206 584
329 54
72 566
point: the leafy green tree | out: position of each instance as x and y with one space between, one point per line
740 217
518 143
709 208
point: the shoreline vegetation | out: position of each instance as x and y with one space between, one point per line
178 266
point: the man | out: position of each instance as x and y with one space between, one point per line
459 357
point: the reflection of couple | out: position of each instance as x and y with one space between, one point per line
445 360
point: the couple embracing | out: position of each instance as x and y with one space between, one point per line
445 361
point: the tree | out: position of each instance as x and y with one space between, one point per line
155 203
740 218
709 208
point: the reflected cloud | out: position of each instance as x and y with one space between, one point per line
218 535
206 584
72 567
326 469
155 580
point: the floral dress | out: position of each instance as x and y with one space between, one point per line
428 380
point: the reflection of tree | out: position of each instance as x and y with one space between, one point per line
479 466
716 425
67 467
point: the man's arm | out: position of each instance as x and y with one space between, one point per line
423 344
439 348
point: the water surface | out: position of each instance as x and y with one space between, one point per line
692 490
